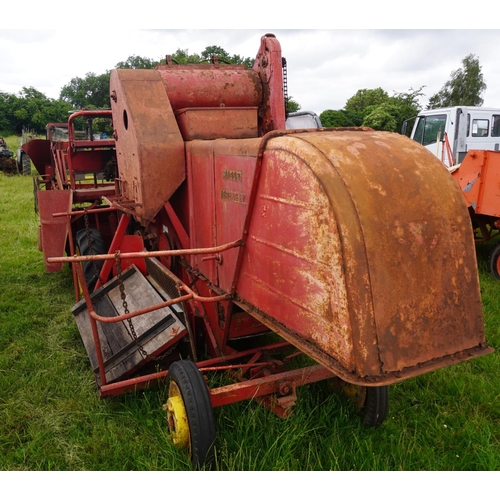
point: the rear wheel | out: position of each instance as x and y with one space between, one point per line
376 406
494 261
189 412
25 167
372 402
95 246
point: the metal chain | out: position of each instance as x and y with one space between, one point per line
285 85
125 305
123 296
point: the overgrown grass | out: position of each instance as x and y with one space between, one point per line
51 417
13 141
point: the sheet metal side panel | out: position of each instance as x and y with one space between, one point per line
54 230
191 86
479 180
149 145
293 267
419 245
202 224
39 152
235 163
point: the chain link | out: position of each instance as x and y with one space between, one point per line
123 296
285 85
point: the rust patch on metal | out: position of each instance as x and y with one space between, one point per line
363 253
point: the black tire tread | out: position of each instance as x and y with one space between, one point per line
98 248
25 164
199 410
493 257
376 406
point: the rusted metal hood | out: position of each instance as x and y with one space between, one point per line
360 251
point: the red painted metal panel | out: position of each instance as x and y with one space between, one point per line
359 243
199 155
211 86
217 123
234 164
268 64
39 152
54 230
149 145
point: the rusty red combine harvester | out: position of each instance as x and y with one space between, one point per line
205 236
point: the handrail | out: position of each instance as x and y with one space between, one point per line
145 254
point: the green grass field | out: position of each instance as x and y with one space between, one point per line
51 417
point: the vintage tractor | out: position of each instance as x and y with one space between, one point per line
205 236
7 163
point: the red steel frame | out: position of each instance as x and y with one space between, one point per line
257 377
260 386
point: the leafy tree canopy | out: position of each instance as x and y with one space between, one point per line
89 92
30 109
341 118
376 109
364 98
182 56
138 62
292 105
464 88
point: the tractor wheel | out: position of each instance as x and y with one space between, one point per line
376 406
189 412
96 246
25 165
372 402
494 261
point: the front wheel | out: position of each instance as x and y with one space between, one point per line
189 412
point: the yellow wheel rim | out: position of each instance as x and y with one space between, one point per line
356 393
178 425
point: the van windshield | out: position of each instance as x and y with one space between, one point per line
430 129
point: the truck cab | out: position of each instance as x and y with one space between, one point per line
449 133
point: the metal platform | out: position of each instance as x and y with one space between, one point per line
123 354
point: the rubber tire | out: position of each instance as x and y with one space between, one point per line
25 167
196 399
98 248
376 406
493 261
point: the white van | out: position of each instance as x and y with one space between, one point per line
303 120
466 128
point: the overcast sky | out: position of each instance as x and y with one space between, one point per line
325 66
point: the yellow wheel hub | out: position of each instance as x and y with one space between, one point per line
356 393
178 425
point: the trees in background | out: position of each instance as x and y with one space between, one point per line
30 109
464 88
90 92
376 109
373 108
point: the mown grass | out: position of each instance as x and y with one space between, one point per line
51 417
